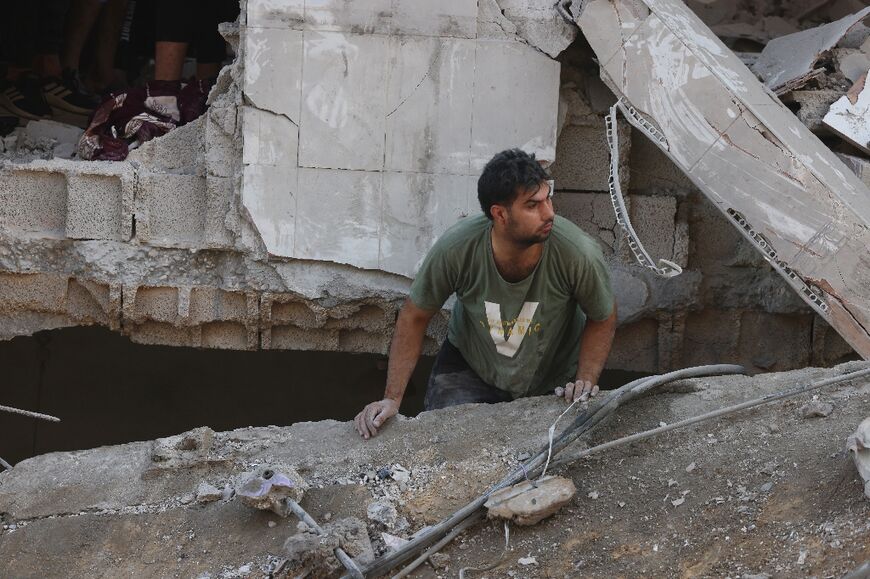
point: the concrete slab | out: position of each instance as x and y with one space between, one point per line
343 120
446 18
356 16
282 14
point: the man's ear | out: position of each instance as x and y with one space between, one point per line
499 214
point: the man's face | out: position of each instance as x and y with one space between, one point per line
530 216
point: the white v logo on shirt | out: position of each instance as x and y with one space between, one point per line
507 347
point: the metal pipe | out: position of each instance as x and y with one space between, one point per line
713 414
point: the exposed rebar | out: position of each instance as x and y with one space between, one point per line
29 413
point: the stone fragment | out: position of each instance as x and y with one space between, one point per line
527 502
385 514
816 408
206 493
312 555
400 474
183 450
527 560
269 487
392 541
849 117
440 561
858 443
51 131
691 467
788 58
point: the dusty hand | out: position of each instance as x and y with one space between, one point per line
581 390
374 415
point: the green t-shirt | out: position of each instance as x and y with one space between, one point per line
521 337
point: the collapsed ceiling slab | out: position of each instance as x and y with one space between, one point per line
780 186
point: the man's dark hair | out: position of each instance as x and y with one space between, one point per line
505 176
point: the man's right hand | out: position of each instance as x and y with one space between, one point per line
374 415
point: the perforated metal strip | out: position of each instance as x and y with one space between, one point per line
664 268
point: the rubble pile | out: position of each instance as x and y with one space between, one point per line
814 54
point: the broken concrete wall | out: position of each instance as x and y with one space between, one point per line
292 214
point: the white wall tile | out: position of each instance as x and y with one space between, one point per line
339 216
444 18
516 94
343 101
269 198
358 16
286 14
273 70
268 139
429 95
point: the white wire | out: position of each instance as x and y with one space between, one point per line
551 433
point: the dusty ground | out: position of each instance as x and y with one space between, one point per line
771 492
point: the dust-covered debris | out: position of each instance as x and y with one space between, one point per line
816 409
858 444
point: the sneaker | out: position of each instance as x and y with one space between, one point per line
23 98
67 93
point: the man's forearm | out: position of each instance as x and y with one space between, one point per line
595 343
405 349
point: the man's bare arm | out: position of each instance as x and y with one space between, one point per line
595 343
404 353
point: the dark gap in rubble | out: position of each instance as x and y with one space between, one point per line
108 390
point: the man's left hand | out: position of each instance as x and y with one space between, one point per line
581 390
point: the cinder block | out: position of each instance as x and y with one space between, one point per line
208 304
775 342
635 347
295 338
40 292
159 304
181 149
89 303
34 202
583 158
367 317
654 221
361 341
227 336
652 170
711 336
170 210
162 334
95 207
593 213
221 215
293 313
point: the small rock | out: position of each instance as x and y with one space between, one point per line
187 499
524 456
527 503
327 517
269 487
527 560
816 408
440 561
272 524
400 474
383 512
679 501
593 495
384 472
621 504
672 483
691 467
206 493
393 542
766 487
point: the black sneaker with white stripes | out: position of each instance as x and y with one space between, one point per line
23 98
68 94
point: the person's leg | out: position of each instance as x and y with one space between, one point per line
174 21
108 37
453 382
79 23
211 48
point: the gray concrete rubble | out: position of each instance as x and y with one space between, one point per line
788 60
127 510
784 190
849 117
339 145
269 487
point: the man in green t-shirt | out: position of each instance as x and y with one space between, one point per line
534 307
